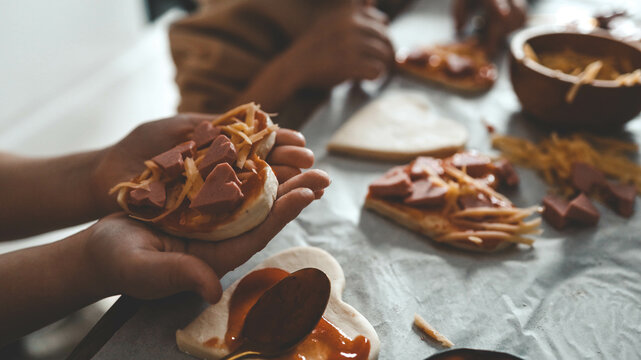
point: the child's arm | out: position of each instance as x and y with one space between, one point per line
349 43
122 256
46 193
42 194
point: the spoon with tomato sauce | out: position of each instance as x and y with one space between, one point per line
284 315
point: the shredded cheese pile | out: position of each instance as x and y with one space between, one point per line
239 124
586 67
505 223
554 156
574 63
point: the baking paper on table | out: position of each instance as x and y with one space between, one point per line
575 295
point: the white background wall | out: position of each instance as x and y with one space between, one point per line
47 46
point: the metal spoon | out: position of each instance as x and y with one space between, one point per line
284 315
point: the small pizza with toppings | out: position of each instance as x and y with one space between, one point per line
455 201
459 65
213 187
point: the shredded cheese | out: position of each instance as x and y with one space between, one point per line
240 127
122 200
630 79
426 328
193 175
234 131
250 117
235 111
553 157
261 134
587 76
479 185
486 235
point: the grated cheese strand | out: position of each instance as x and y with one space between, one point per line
229 114
233 131
486 235
426 328
587 76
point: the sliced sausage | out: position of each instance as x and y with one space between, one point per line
476 165
154 197
221 150
205 133
424 165
620 197
425 193
395 183
221 192
582 211
507 173
585 177
473 201
555 211
171 161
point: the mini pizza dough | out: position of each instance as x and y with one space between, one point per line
212 323
398 127
249 215
259 190
427 222
252 212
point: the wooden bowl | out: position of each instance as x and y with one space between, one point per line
600 105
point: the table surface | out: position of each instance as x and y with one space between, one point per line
575 294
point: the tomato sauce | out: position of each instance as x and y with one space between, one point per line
326 341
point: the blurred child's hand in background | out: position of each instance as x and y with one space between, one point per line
349 43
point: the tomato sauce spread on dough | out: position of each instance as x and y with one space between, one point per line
326 341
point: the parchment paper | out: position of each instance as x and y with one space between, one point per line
575 295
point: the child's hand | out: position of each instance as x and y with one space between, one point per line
348 43
125 159
501 18
130 258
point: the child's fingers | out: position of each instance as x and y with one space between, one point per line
314 180
284 173
227 255
461 11
378 49
176 272
289 137
374 30
494 36
370 69
499 8
375 14
294 156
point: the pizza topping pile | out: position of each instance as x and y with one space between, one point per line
461 188
462 65
579 165
204 175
